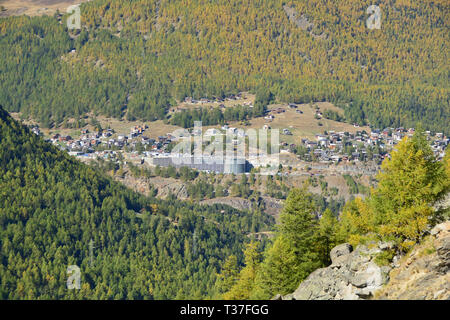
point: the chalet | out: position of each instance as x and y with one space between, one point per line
311 144
322 140
397 136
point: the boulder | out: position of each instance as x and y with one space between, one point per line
445 226
352 275
339 252
288 297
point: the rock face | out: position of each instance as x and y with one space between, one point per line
352 275
235 202
424 273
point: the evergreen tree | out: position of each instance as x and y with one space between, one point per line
408 185
229 275
245 284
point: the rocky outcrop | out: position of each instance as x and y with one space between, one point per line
235 202
272 206
424 272
165 186
354 274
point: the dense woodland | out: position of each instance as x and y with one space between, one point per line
213 116
137 58
51 206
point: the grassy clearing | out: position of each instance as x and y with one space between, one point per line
35 7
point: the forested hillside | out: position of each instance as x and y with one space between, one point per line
52 206
135 58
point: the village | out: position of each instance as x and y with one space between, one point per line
329 147
362 146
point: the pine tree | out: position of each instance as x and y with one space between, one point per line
409 183
296 251
229 275
243 288
280 272
327 237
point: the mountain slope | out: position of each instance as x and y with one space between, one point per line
51 206
135 57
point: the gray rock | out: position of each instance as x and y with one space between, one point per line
339 252
443 251
396 261
386 245
353 275
288 297
440 227
359 281
364 293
